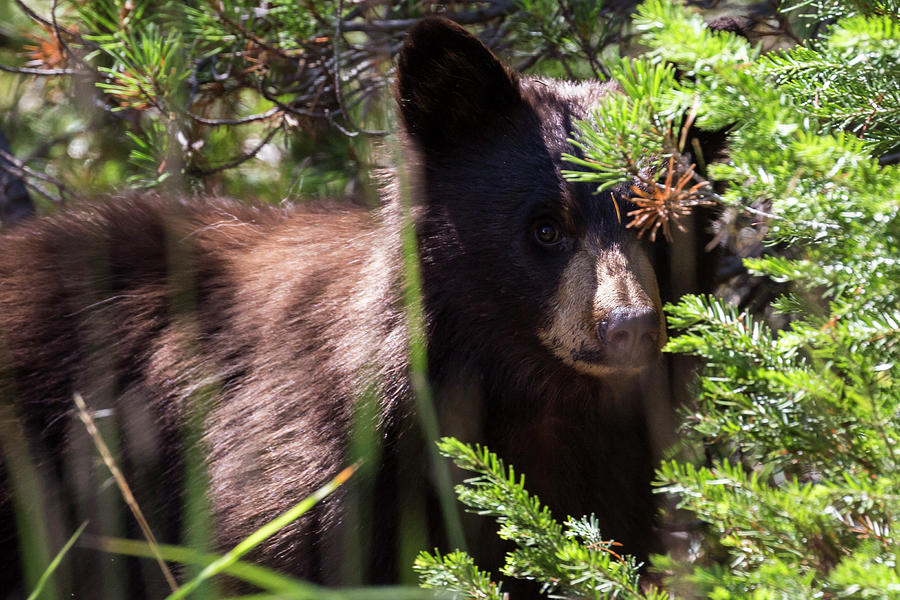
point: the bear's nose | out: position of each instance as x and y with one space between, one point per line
630 335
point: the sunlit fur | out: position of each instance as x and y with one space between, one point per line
592 285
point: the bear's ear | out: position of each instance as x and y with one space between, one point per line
449 85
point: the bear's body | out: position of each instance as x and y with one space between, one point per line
541 311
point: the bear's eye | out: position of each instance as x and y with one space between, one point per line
547 232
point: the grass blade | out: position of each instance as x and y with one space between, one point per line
260 535
45 576
276 584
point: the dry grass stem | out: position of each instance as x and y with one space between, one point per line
110 462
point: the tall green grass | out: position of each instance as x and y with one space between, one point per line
197 567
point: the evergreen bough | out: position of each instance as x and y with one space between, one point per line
568 559
799 424
202 88
788 454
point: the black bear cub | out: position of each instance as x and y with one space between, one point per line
257 330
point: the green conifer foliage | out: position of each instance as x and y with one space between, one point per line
789 454
569 560
265 98
798 425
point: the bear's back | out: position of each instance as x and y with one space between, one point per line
115 275
157 309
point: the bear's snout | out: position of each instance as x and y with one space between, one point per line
630 335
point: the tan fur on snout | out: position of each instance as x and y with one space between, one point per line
591 286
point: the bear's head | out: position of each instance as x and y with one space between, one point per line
516 259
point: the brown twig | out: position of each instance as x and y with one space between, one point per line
40 72
19 169
33 15
218 8
197 172
596 66
338 91
239 121
493 11
64 45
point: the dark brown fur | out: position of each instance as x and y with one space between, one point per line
274 322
